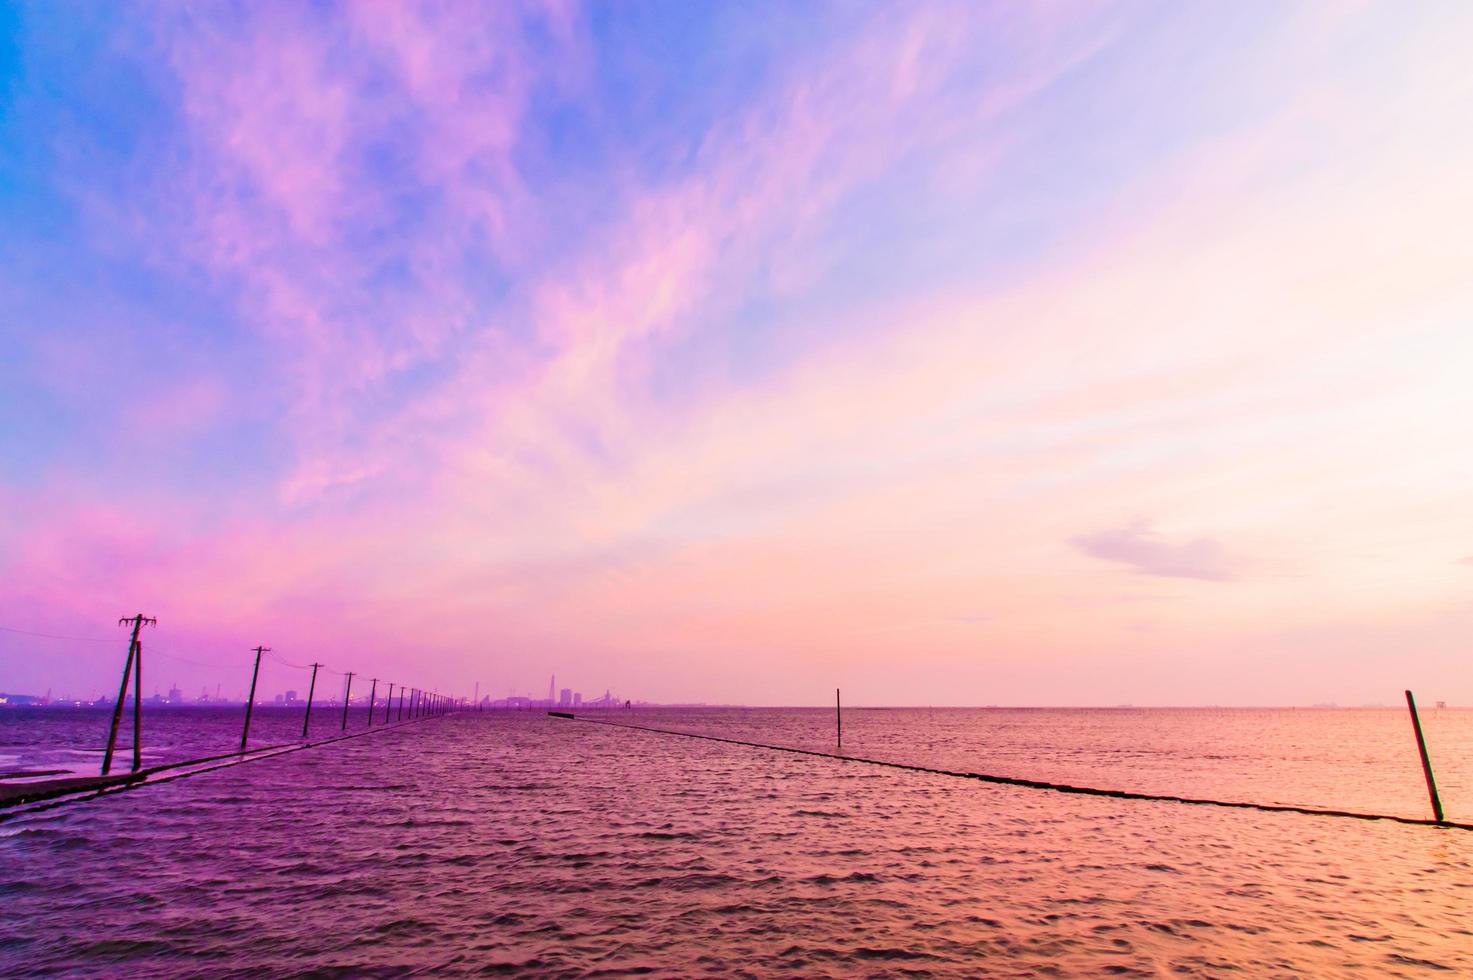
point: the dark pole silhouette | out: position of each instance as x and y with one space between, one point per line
347 696
245 732
112 733
312 686
372 693
137 705
1426 762
838 718
400 716
388 705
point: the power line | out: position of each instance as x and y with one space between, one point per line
195 663
58 636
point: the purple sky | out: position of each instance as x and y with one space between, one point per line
954 354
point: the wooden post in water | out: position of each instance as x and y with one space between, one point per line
372 693
347 696
312 686
112 732
245 732
122 690
400 716
137 705
388 705
839 717
1426 762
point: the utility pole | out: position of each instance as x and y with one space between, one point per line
112 734
400 716
388 705
245 732
372 693
137 705
310 688
347 696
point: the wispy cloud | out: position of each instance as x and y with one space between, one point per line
1143 549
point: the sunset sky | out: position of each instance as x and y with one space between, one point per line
952 354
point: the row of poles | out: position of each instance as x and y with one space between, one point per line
420 703
429 703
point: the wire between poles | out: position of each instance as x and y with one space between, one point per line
58 636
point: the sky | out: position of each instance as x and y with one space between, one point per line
1038 354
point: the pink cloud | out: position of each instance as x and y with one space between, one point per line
1143 549
1271 350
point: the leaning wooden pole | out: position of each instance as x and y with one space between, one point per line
347 696
1426 762
131 665
137 705
311 688
112 732
245 732
839 718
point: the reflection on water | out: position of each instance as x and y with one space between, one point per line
556 847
